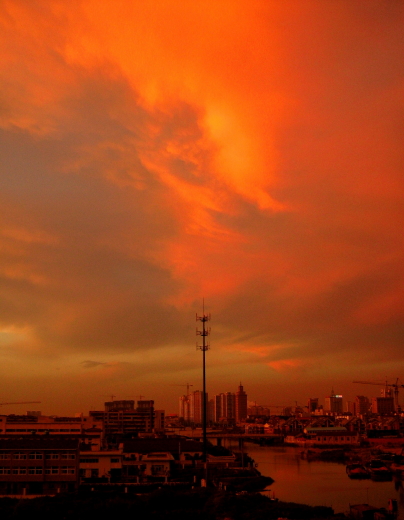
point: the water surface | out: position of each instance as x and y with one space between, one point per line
319 483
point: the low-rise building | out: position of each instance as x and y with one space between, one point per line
334 438
121 418
38 465
104 464
67 427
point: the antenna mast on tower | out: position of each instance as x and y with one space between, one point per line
204 347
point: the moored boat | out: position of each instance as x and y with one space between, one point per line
357 471
378 470
367 512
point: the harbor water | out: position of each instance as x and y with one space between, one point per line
319 483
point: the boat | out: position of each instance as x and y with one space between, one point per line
378 470
357 471
367 512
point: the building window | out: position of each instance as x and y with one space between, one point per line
4 455
53 470
35 470
90 461
68 456
20 456
114 461
68 470
4 471
19 471
51 455
37 455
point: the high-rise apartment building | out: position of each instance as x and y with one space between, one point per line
225 407
312 404
185 409
159 420
362 405
217 408
196 406
241 404
333 403
383 405
229 406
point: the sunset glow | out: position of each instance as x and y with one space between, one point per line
155 154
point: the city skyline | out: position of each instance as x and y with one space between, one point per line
245 153
191 410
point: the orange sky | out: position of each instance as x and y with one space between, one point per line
155 153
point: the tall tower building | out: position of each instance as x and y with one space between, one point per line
312 404
196 406
362 405
333 403
217 408
383 405
184 411
241 404
225 407
229 405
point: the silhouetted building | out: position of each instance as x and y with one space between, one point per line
123 419
241 404
185 409
333 403
196 406
383 405
217 408
362 405
228 406
159 420
225 407
312 404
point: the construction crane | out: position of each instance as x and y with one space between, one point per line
395 385
20 402
187 385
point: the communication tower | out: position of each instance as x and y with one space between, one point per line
204 347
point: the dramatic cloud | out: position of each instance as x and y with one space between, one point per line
152 155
